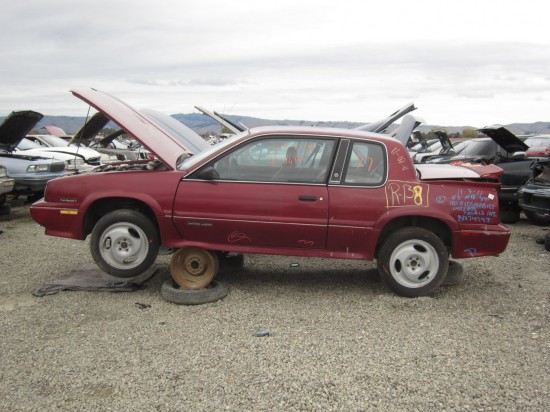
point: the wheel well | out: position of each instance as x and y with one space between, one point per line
103 206
433 225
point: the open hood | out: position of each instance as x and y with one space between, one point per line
90 129
504 138
56 131
405 129
446 144
383 124
15 127
220 119
167 147
187 137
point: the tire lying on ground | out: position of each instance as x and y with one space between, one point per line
547 241
213 292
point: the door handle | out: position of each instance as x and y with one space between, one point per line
307 198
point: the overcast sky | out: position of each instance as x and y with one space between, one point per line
463 62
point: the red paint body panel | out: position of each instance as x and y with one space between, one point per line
311 218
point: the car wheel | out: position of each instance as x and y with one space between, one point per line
547 241
212 293
193 267
509 215
124 243
413 261
541 219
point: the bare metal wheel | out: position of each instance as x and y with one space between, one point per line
413 261
194 268
124 243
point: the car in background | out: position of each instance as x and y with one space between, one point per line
539 146
30 172
75 161
6 184
534 196
297 191
57 145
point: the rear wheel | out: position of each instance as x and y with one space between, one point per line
413 261
124 243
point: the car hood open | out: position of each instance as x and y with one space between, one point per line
15 127
150 132
504 138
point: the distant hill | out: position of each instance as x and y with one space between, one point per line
204 125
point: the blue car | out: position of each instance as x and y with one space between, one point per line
31 173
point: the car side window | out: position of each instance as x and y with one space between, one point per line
281 159
366 164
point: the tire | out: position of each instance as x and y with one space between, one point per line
547 241
212 293
455 274
413 261
136 242
541 219
509 215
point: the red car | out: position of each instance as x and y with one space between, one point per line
301 191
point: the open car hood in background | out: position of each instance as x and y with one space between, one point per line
15 127
152 135
90 129
505 138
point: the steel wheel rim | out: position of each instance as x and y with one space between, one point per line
414 263
123 245
193 268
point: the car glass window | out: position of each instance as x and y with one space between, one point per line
285 159
366 165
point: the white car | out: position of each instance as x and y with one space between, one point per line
76 159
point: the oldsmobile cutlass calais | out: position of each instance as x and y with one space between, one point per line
302 191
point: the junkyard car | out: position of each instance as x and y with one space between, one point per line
6 184
30 172
534 196
301 191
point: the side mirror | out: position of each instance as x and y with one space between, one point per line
208 173
519 155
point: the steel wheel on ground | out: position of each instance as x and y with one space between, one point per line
194 268
124 243
413 261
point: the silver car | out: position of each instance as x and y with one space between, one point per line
30 173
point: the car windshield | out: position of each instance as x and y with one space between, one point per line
193 160
538 142
55 141
27 144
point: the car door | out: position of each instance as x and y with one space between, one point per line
357 197
269 192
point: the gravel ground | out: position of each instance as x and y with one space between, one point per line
338 338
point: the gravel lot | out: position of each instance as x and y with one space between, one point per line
338 338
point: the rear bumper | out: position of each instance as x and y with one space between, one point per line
491 241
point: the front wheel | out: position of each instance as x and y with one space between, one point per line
124 243
413 261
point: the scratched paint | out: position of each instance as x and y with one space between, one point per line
401 194
402 158
237 236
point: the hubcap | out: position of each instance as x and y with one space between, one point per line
123 245
414 263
